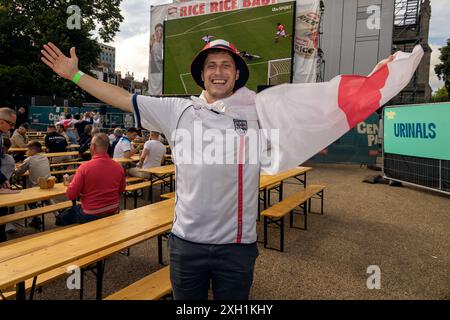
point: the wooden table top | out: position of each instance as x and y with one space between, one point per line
267 180
31 195
25 259
14 150
61 154
134 158
169 169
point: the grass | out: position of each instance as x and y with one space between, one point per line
252 30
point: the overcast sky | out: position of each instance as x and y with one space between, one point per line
132 41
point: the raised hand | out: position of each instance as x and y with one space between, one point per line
64 66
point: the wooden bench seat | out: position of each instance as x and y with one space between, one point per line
134 179
63 164
60 172
168 195
153 287
276 213
141 185
86 261
40 211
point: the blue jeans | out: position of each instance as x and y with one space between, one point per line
75 215
229 269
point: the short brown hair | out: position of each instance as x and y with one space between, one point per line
35 145
101 140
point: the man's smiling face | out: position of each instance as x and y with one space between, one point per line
219 75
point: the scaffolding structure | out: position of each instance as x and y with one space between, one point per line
320 70
411 23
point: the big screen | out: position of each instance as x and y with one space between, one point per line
252 31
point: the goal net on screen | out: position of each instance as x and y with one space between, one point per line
279 71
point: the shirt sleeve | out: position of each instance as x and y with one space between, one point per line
76 185
126 145
158 114
23 167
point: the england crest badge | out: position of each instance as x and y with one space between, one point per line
240 126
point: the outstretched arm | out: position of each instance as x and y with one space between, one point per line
310 116
67 67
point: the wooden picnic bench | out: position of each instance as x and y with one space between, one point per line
133 188
166 196
27 259
153 287
31 285
40 211
276 213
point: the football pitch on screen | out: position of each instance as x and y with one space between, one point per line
251 30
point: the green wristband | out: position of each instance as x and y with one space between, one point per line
77 76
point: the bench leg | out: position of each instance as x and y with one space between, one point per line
81 283
20 291
305 213
33 288
160 253
100 270
280 194
135 198
150 193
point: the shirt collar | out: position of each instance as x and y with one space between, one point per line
100 155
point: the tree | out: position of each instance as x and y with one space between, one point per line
442 70
27 25
441 95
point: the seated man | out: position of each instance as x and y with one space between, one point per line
152 156
113 140
99 182
123 148
37 166
54 141
19 138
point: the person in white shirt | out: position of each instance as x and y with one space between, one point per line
152 156
116 134
123 148
213 239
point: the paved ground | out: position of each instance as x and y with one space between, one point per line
402 230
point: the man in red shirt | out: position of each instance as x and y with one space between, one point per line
99 182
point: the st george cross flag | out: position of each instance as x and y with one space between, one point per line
317 114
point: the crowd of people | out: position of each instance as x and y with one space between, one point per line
99 197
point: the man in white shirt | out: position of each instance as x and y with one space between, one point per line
213 240
123 148
152 156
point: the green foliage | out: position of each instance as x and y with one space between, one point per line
27 25
441 95
443 69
